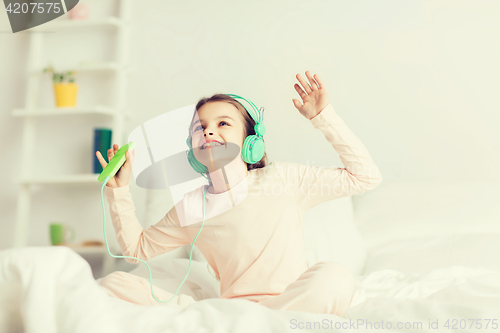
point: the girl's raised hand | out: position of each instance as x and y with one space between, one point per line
315 97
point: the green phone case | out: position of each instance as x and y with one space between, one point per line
116 162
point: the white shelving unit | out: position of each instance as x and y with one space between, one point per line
32 112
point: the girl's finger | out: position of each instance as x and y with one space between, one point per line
304 84
101 159
110 154
300 91
130 156
320 83
313 83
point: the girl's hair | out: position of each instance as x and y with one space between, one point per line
248 123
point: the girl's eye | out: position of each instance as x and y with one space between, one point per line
199 126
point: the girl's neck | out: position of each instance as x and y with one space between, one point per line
235 172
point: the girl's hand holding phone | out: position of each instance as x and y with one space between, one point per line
315 97
121 178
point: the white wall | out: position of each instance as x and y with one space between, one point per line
416 81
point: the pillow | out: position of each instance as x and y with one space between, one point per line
409 210
421 255
331 235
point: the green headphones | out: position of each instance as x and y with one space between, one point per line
253 147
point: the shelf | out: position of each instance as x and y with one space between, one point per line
63 179
63 25
64 31
89 66
89 249
55 111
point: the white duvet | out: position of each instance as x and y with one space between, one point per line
51 289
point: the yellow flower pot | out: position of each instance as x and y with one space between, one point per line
65 94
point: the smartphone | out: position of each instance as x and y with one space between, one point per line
116 162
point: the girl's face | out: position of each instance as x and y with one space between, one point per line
218 121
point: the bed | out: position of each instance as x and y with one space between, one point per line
425 259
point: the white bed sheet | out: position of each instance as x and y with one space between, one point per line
51 289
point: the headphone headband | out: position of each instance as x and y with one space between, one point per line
260 113
259 117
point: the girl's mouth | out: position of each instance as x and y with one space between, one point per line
211 144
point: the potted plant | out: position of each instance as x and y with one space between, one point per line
65 89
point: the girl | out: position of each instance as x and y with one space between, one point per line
256 248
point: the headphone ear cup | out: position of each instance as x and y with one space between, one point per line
195 164
254 154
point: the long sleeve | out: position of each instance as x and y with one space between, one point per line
134 241
313 185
